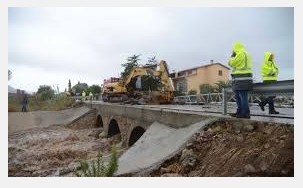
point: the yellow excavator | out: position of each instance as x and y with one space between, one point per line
130 90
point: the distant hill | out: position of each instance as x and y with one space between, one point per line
11 90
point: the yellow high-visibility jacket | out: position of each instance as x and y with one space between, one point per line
241 63
269 69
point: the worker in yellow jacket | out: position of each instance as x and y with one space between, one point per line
90 96
83 96
270 72
242 82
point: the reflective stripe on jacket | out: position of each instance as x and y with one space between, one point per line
242 81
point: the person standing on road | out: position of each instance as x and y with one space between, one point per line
90 96
83 96
269 71
24 103
242 82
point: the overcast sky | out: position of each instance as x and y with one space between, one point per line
52 45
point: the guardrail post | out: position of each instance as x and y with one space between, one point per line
224 100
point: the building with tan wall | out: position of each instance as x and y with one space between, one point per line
191 79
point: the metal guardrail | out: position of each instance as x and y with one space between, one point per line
285 87
198 99
208 98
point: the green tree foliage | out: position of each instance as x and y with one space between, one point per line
95 89
98 168
220 85
132 62
45 92
80 87
69 86
206 88
192 92
151 61
150 83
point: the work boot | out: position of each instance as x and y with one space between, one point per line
233 115
261 106
273 112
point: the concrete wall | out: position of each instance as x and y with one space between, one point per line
87 120
18 121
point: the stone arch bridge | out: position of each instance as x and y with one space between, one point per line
132 121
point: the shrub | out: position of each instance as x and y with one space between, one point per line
206 89
192 92
45 92
97 168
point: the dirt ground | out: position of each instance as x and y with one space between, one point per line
54 151
226 148
231 149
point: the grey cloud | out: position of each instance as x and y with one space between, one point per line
94 42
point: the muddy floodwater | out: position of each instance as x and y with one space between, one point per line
54 151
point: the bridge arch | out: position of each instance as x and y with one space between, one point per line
113 128
136 133
99 121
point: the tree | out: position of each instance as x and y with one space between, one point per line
80 87
152 60
45 92
132 62
69 86
150 83
206 88
95 89
9 74
152 63
220 85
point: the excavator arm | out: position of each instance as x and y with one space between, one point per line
164 94
164 76
138 71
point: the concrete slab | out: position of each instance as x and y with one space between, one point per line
157 144
18 121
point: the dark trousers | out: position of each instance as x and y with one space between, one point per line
270 101
23 108
242 102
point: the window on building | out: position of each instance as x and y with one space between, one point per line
192 72
220 72
172 75
181 74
